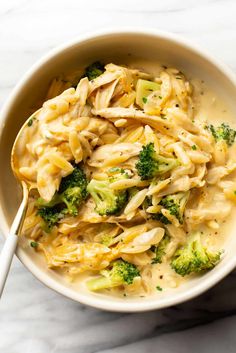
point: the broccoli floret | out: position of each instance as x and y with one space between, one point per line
73 197
157 216
107 200
106 239
50 216
121 273
151 165
176 204
94 70
76 179
160 250
72 192
147 202
223 132
160 217
53 202
194 257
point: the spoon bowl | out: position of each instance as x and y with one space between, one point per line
11 242
19 145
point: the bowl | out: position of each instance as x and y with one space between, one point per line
115 46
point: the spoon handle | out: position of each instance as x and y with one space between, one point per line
6 258
12 240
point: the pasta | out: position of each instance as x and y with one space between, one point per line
122 171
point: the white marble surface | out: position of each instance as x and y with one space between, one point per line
34 319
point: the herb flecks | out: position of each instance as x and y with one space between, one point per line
34 244
31 121
144 100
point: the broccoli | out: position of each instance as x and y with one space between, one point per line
160 249
73 197
132 192
106 239
194 257
72 192
223 132
94 70
121 273
157 216
115 170
51 216
176 204
160 217
151 165
107 200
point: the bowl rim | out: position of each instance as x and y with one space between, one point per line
96 301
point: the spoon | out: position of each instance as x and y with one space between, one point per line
10 244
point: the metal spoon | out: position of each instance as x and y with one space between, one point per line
12 240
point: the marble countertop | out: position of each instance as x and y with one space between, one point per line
33 318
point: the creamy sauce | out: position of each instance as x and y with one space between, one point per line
207 107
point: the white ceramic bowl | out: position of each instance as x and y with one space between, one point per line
114 46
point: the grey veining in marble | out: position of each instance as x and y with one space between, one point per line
34 319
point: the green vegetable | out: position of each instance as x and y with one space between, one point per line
116 170
223 132
121 273
34 244
160 217
176 204
194 147
160 249
147 202
73 197
106 239
107 200
72 192
94 70
194 257
143 89
159 288
151 165
30 122
51 216
76 179
132 192
144 100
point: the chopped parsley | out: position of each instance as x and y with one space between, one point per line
159 288
34 244
31 120
194 147
144 100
